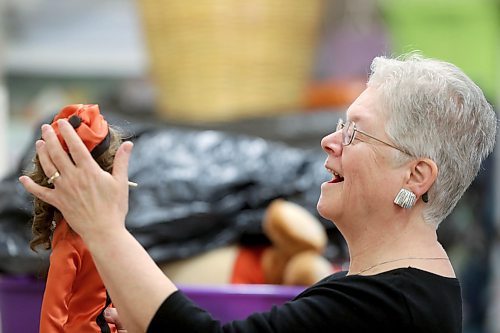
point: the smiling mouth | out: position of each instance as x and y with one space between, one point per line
337 178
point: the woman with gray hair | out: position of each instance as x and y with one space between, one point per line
410 146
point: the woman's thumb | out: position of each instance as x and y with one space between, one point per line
112 317
120 165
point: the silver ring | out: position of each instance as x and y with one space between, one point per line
53 177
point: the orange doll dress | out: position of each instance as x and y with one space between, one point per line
75 297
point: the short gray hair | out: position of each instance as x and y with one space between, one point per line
434 110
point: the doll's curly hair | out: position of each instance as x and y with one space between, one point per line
43 213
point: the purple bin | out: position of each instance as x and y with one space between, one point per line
21 298
237 301
20 301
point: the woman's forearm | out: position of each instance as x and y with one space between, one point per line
135 283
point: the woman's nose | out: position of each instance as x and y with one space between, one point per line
332 143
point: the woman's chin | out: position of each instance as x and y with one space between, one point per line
325 209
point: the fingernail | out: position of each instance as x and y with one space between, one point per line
46 127
128 148
107 313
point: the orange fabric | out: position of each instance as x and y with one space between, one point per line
93 128
247 267
334 93
74 294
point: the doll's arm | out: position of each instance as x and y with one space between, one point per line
64 262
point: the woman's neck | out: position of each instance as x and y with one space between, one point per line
388 245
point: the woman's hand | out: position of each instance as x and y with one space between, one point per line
112 317
91 200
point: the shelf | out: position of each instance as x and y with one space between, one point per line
76 39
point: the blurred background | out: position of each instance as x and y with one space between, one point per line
280 70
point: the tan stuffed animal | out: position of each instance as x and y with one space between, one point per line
298 242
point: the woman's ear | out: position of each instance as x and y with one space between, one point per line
423 174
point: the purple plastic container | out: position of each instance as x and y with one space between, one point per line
20 301
21 298
237 301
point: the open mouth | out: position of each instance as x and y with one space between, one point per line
337 178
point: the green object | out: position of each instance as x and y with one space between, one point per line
463 32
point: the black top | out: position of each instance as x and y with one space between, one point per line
400 300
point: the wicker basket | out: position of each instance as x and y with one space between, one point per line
217 60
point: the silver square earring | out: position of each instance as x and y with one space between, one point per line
405 198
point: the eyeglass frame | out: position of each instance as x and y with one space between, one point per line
341 125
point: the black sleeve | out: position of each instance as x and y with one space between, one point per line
354 304
179 314
319 310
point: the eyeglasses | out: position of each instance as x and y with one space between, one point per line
349 130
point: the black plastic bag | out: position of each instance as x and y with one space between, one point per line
198 190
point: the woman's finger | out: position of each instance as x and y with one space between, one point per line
120 164
112 317
58 157
77 149
48 166
41 192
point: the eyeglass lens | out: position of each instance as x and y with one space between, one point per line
347 131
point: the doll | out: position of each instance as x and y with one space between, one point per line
75 297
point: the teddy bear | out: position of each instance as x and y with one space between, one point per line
298 242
